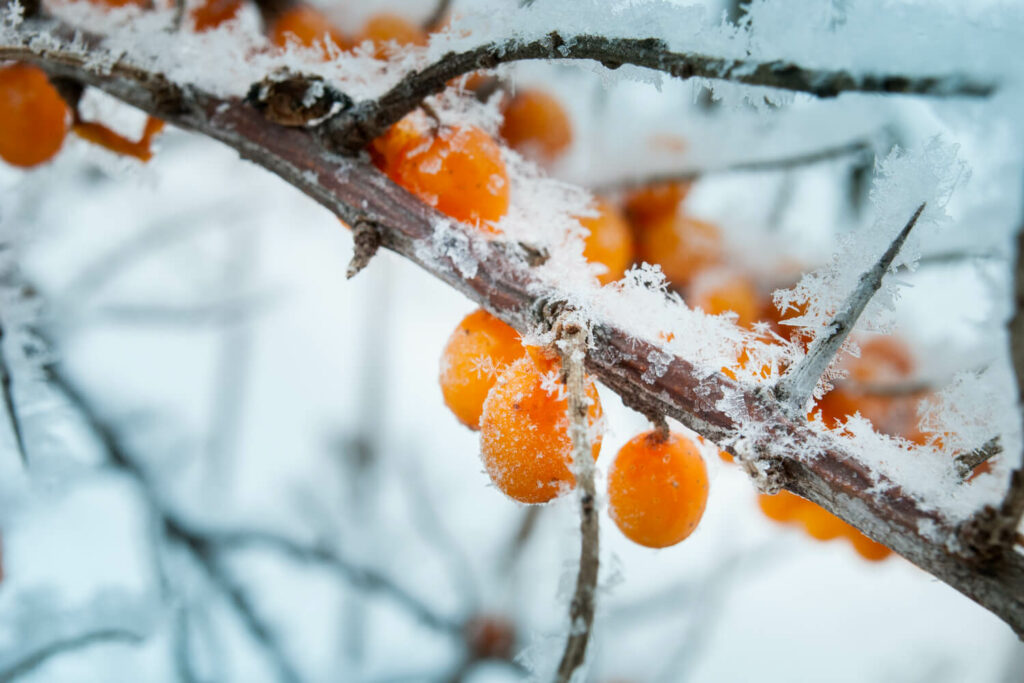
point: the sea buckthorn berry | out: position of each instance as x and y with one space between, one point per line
781 507
654 201
682 245
307 27
819 523
657 489
524 433
609 243
477 352
536 125
212 13
866 548
723 290
882 359
33 116
387 30
458 171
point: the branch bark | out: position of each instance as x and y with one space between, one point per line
506 286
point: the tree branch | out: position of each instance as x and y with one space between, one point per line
797 385
72 644
508 287
572 342
369 119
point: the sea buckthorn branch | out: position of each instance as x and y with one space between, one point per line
797 385
34 660
352 189
351 131
10 407
854 148
572 340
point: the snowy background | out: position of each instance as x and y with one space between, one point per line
201 304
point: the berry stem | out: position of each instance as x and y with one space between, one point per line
572 345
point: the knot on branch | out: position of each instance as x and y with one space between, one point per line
764 469
297 100
366 242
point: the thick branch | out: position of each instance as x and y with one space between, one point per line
829 476
370 119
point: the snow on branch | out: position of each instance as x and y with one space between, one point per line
819 466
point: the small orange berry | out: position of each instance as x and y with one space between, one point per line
680 244
386 30
654 201
213 13
458 171
821 524
723 290
781 507
866 548
609 243
306 26
33 116
537 126
657 489
476 353
524 434
882 359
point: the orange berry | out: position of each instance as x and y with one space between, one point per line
476 353
306 26
882 359
33 116
458 171
726 456
524 434
609 243
385 29
821 524
866 548
536 125
213 13
782 507
722 290
654 201
764 372
680 244
657 489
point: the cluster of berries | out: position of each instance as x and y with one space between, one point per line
515 397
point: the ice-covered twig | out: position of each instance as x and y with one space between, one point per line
351 131
73 644
966 462
854 148
796 387
572 341
9 406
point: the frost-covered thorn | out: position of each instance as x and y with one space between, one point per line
797 385
966 462
366 242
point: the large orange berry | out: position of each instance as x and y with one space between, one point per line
682 245
458 171
536 125
657 489
609 243
524 433
33 117
307 27
477 352
212 13
654 201
723 290
386 30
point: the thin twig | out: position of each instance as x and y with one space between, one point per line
853 148
75 643
797 385
9 405
966 462
572 346
438 16
369 119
